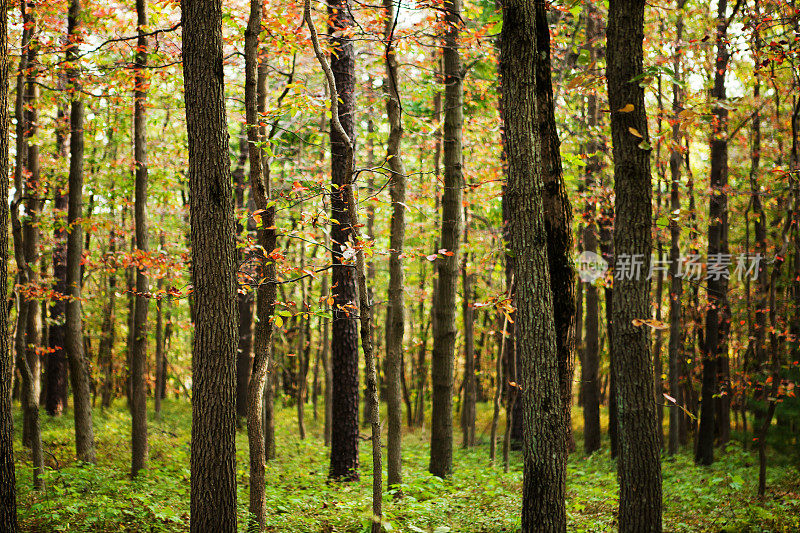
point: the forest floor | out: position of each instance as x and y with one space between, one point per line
478 498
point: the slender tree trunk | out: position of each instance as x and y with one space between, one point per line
108 330
544 419
718 311
213 454
78 364
30 400
160 367
639 465
140 327
676 282
468 313
444 325
498 391
302 356
33 208
590 375
8 498
394 348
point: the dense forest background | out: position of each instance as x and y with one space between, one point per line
510 255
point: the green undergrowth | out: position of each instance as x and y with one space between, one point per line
478 497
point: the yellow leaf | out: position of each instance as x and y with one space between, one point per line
627 109
635 132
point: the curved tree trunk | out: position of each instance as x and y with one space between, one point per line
639 465
213 454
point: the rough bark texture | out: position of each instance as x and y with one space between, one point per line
444 321
213 454
717 313
557 221
394 348
78 365
544 449
639 464
139 354
344 334
8 486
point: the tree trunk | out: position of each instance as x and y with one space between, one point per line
444 325
590 375
394 348
213 454
544 419
8 498
159 334
676 282
108 330
260 428
140 327
718 311
467 313
78 365
244 298
557 222
56 361
344 337
639 465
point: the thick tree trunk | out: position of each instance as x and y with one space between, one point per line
718 311
444 323
639 465
8 499
557 221
394 348
140 329
344 337
78 365
213 454
544 419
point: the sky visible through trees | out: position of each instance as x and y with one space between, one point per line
446 265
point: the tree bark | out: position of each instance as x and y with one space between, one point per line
344 334
557 221
444 325
78 365
544 448
394 348
676 282
8 485
56 361
639 464
140 327
718 311
213 454
590 375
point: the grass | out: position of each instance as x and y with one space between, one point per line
478 497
